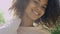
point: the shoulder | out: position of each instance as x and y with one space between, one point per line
31 30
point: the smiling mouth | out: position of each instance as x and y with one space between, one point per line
36 12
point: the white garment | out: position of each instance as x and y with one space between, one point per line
32 30
10 27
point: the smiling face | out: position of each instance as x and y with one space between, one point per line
36 9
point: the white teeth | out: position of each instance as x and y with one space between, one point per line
35 12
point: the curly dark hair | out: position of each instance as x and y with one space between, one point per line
19 7
52 11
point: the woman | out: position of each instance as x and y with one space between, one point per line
42 11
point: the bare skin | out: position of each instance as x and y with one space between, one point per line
26 21
34 10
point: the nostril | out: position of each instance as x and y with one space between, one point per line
38 0
38 14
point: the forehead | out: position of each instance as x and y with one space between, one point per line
44 0
38 2
41 2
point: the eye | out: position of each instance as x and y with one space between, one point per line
35 2
43 6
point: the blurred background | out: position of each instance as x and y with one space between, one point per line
4 12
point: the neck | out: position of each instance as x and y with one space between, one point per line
26 21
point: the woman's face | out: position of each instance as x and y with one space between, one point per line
36 9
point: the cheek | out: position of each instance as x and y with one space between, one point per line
42 12
29 8
43 2
28 11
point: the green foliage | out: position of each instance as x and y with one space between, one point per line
2 20
56 30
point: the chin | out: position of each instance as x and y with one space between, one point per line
34 18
